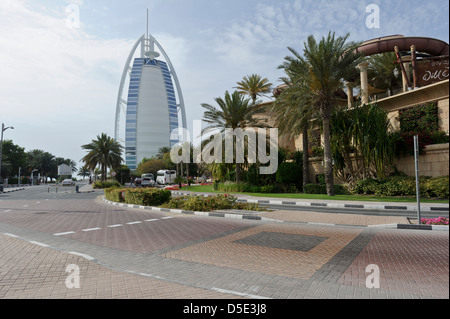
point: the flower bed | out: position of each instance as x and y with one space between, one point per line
435 221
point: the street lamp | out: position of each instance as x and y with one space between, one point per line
1 151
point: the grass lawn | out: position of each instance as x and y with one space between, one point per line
210 189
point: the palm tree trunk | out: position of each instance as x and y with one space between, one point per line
238 173
305 157
328 161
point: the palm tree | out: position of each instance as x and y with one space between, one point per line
254 86
294 108
233 112
105 151
328 63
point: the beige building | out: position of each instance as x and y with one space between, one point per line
424 81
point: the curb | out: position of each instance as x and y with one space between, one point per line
332 205
11 190
224 214
187 212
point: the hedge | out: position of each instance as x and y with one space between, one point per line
404 186
138 196
322 189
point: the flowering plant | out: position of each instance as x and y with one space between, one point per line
435 221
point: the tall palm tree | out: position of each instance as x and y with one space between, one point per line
104 151
233 112
294 108
329 62
254 86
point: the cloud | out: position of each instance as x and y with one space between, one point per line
56 82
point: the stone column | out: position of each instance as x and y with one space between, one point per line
349 86
364 82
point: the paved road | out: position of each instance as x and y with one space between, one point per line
122 252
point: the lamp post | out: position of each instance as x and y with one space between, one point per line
1 151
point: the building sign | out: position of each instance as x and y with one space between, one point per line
64 169
432 71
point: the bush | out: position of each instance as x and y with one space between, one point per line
322 189
106 184
210 203
437 187
367 187
289 173
147 196
114 194
404 186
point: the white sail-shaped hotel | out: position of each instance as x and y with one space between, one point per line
151 101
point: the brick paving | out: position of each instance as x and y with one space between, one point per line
227 251
407 262
149 256
30 271
338 219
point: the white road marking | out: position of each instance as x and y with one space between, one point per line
39 244
134 223
66 233
11 235
82 255
91 229
114 226
152 220
7 211
169 217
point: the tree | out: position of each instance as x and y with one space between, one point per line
254 86
294 107
105 152
328 63
365 132
233 112
151 166
14 157
84 171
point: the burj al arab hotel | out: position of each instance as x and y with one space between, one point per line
154 105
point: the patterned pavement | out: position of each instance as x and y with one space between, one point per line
130 253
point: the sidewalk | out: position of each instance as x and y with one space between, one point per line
355 217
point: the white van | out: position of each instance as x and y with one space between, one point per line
165 177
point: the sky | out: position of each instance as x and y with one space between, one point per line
61 61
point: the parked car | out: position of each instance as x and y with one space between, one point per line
68 182
147 182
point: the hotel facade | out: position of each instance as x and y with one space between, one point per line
153 104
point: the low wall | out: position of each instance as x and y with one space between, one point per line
434 163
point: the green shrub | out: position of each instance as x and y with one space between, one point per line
367 187
437 187
404 186
114 194
322 189
147 196
210 203
289 173
106 184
